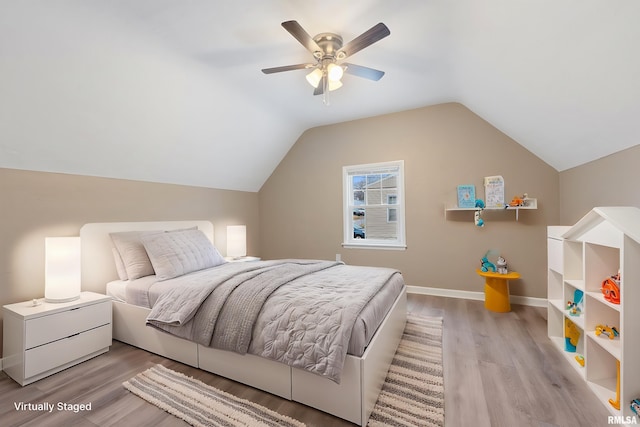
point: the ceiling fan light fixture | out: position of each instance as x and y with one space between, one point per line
334 72
315 77
335 85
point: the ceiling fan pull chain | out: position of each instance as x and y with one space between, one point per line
325 91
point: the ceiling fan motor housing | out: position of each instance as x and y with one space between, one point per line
330 43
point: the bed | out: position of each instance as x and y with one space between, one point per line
362 374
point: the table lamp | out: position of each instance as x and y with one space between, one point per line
236 241
62 269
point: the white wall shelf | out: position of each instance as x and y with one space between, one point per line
531 205
604 242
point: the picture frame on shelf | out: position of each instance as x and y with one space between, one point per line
494 191
466 196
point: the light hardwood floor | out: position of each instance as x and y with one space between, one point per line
500 370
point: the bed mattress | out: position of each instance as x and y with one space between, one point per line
144 292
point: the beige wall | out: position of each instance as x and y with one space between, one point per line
442 146
609 181
36 205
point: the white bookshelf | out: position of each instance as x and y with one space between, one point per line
602 243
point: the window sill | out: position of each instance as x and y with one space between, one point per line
387 246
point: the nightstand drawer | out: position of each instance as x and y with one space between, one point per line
58 353
46 329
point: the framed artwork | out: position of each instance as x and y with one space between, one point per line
466 196
494 191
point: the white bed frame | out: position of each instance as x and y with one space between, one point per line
362 377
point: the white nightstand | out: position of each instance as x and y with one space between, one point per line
47 338
242 259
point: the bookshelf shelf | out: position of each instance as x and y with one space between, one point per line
605 241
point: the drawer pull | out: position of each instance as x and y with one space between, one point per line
74 335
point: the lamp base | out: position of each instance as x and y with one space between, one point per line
59 300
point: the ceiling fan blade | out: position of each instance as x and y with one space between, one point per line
287 68
301 35
369 37
365 72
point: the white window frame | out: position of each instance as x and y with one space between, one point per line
389 196
348 240
389 220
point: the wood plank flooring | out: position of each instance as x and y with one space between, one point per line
500 370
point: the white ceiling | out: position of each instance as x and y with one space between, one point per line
171 90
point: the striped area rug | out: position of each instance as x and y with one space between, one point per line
199 404
413 393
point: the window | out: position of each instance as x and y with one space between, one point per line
392 213
374 205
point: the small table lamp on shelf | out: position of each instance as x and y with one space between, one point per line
236 241
62 269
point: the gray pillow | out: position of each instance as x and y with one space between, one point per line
134 257
180 252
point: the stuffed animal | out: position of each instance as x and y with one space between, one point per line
477 217
611 289
518 201
486 265
501 265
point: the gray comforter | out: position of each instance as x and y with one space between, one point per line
306 308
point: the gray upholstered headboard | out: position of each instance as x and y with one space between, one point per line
98 266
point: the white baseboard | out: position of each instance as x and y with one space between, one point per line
479 296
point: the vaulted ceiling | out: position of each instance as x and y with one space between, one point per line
171 90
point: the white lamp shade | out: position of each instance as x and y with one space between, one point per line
335 85
334 72
314 77
236 241
62 269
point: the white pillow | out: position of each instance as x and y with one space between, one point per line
134 257
180 252
122 272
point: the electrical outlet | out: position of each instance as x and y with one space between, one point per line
338 257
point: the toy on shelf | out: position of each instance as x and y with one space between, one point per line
580 360
501 266
609 331
517 201
486 264
477 216
611 289
616 403
635 406
575 306
572 336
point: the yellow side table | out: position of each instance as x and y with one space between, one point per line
496 290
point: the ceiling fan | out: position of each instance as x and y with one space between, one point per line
328 51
